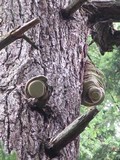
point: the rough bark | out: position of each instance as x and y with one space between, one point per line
62 49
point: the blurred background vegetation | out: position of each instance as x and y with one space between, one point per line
5 156
101 139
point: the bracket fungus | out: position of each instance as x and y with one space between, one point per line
93 85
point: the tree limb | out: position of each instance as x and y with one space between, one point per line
69 133
30 41
17 33
71 8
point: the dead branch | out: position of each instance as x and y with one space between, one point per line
17 33
69 133
71 8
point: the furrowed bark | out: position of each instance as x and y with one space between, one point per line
60 58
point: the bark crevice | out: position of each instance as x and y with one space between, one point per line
58 40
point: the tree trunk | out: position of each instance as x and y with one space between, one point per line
62 49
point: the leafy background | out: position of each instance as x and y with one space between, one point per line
6 156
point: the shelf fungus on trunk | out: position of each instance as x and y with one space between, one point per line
93 85
38 88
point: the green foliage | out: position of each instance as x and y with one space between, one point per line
100 140
6 156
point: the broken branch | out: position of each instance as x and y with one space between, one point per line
30 41
69 133
17 33
71 8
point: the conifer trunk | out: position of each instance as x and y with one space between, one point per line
62 49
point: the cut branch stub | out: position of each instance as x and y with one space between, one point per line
69 133
71 8
17 33
30 41
93 85
38 88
